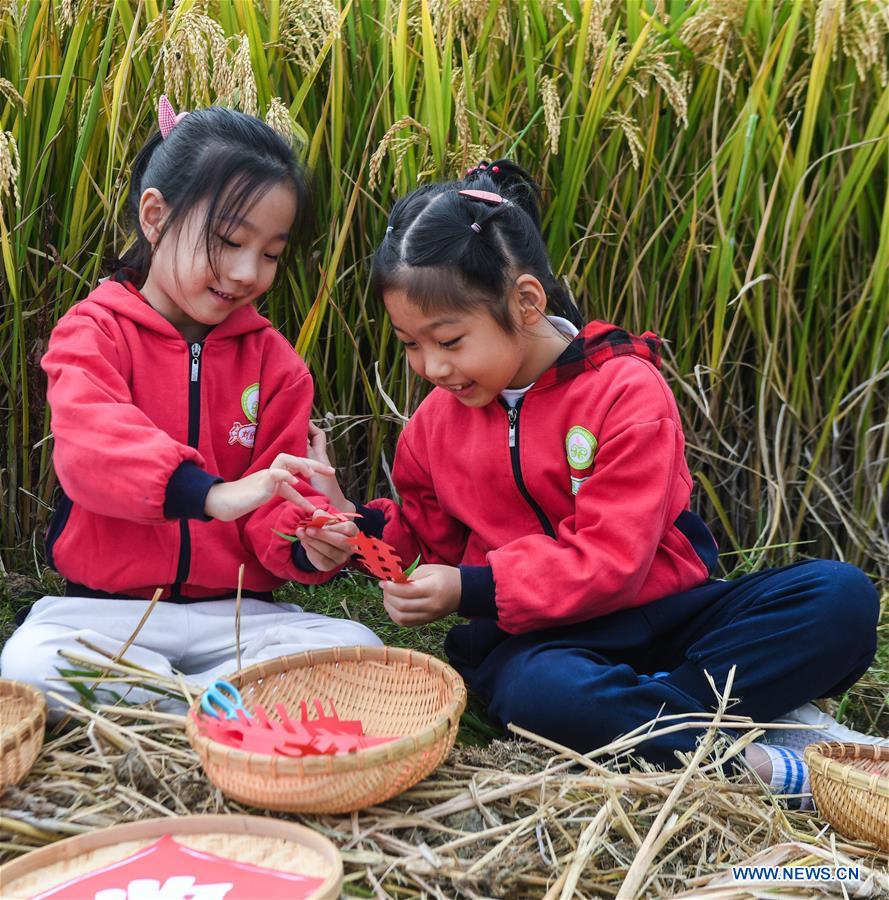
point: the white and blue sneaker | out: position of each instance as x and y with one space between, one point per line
822 727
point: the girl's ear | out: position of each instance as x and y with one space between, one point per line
531 299
152 214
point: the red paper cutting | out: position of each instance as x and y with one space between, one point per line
326 518
169 871
326 734
379 558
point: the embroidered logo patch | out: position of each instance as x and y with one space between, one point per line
250 402
580 448
244 433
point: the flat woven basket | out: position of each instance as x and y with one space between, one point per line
22 724
850 783
394 692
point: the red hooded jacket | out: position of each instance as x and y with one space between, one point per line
573 505
144 423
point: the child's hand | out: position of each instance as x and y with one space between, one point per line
432 593
232 499
326 484
328 547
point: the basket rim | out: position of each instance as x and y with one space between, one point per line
30 724
834 760
327 764
182 826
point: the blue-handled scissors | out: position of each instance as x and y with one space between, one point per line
223 700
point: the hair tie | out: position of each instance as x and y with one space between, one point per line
478 167
166 117
484 196
476 227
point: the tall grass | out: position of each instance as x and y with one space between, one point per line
713 169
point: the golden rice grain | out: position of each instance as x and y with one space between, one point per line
193 56
398 145
278 118
306 26
243 81
631 132
9 167
552 112
7 89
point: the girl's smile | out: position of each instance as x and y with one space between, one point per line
468 354
194 295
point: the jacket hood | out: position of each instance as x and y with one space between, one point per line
122 299
596 343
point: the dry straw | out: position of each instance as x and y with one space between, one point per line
520 818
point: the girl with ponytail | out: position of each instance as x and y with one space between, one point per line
180 420
544 483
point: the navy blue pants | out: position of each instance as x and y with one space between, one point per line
796 633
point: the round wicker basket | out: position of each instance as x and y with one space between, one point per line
850 783
394 692
272 843
22 724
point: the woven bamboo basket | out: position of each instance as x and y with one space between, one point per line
22 724
850 783
394 692
256 840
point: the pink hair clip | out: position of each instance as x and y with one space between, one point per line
166 117
484 196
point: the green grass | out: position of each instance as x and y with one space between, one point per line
358 597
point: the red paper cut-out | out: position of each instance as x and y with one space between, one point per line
325 519
169 871
325 734
379 558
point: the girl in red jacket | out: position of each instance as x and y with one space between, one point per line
543 480
180 416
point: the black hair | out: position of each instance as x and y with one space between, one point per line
478 245
219 155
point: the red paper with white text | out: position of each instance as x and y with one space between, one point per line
169 871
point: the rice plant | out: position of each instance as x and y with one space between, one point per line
715 170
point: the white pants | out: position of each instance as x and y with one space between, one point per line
197 639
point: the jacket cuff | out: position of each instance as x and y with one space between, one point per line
187 491
301 558
372 521
477 595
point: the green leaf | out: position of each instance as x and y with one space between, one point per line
412 566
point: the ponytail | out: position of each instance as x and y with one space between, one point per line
135 261
216 157
482 231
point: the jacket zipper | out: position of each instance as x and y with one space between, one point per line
512 413
194 432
